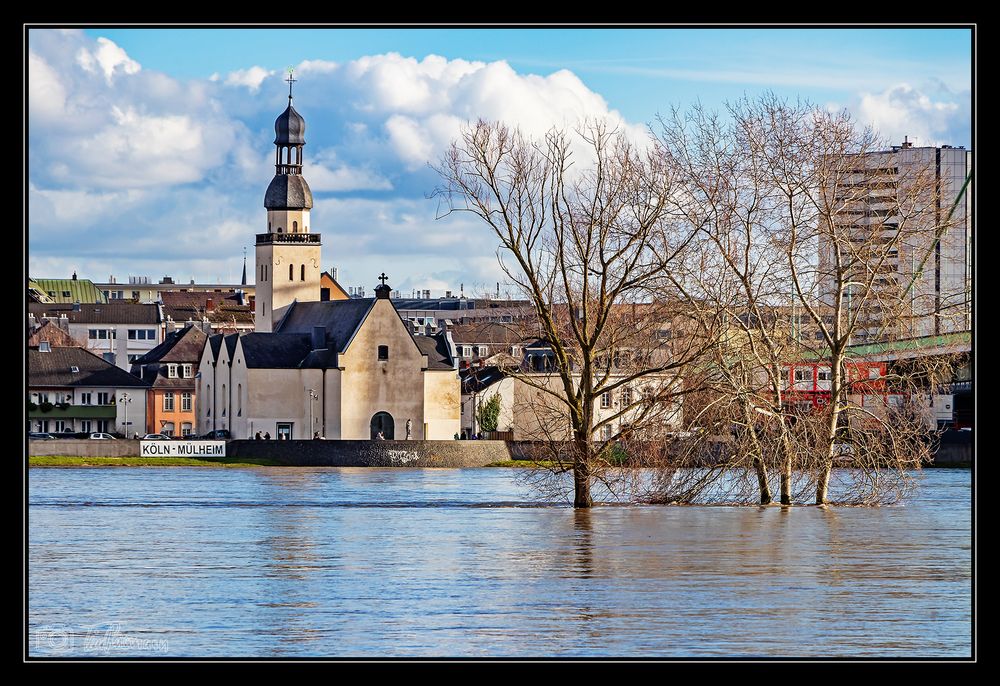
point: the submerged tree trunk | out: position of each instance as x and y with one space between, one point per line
762 484
581 475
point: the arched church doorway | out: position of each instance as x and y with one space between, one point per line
382 422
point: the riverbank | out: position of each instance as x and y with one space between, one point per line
77 461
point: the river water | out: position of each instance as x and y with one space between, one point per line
283 562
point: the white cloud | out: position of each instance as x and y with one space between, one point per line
46 94
902 110
109 58
250 78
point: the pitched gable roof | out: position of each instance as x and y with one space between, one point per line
52 334
275 350
116 312
55 369
342 318
183 345
436 349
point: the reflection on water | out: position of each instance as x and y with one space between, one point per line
363 562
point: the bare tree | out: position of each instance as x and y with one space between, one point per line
803 217
583 240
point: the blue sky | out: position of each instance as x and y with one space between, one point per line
150 149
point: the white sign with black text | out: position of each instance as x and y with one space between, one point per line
182 448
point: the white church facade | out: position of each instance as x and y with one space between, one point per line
337 369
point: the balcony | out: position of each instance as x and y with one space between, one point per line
305 238
75 412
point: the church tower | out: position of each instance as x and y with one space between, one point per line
288 255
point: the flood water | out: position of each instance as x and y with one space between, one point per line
281 562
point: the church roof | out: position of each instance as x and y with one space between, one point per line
275 350
288 192
290 127
340 317
215 342
436 350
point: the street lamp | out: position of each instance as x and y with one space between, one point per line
125 400
312 396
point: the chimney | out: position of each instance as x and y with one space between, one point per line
427 295
447 294
74 275
319 338
76 307
906 142
64 322
32 322
209 305
333 272
171 326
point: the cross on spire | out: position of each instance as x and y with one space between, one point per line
290 81
383 278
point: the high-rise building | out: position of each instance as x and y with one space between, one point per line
904 228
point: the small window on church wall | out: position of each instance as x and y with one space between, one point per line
383 352
291 272
295 227
269 226
302 273
279 229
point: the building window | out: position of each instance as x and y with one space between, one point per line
302 273
66 294
171 371
483 351
168 429
824 376
606 400
168 401
102 426
185 402
606 432
85 425
186 429
85 398
626 396
60 425
295 227
208 394
284 430
135 295
186 370
291 272
803 375
109 358
239 400
104 398
874 373
43 425
44 347
466 351
383 352
279 229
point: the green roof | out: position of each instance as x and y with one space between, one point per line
961 339
80 290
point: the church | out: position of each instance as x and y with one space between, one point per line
337 369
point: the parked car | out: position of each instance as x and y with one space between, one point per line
156 437
102 437
39 436
218 435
